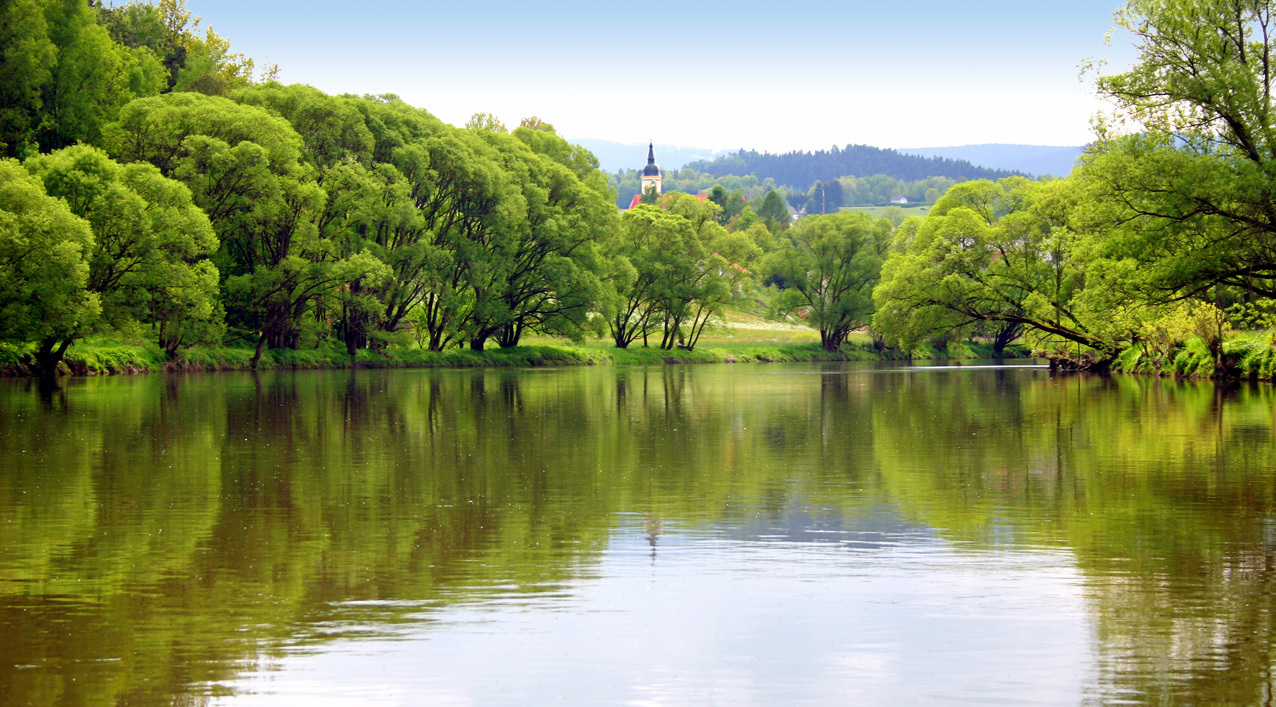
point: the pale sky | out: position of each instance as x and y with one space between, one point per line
767 76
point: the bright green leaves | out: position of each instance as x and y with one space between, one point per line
29 58
153 129
1204 70
331 127
243 167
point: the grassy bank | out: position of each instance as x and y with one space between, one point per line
104 356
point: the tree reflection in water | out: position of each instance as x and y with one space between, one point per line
161 533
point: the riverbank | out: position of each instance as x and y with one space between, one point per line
1246 356
106 357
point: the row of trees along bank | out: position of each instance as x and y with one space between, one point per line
191 203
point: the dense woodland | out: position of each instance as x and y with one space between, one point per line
157 186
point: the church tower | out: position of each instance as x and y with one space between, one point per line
651 173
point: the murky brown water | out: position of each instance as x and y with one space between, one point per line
691 534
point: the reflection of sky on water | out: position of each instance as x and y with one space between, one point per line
830 612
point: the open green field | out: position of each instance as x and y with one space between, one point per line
876 211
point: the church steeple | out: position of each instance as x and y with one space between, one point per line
651 175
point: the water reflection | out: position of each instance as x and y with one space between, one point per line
159 536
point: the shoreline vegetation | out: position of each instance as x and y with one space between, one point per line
112 357
1246 358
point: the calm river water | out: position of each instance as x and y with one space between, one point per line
730 534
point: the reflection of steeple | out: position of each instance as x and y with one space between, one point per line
654 528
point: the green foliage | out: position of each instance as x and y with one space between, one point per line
1183 164
672 269
65 77
1195 359
29 58
774 212
485 121
93 78
245 169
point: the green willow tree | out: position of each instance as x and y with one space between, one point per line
471 210
29 58
64 77
93 78
828 266
149 262
646 253
717 264
554 283
1012 252
1188 154
44 268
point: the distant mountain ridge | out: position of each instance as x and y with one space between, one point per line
991 161
799 170
1036 160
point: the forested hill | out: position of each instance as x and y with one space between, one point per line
801 169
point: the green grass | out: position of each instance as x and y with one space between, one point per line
876 211
746 338
93 356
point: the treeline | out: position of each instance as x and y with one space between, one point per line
877 190
201 219
799 170
819 197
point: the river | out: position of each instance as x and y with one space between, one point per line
714 534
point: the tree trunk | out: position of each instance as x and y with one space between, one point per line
49 354
829 340
1005 335
509 335
261 346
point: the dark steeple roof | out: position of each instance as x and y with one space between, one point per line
651 170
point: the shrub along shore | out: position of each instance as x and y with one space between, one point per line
106 357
